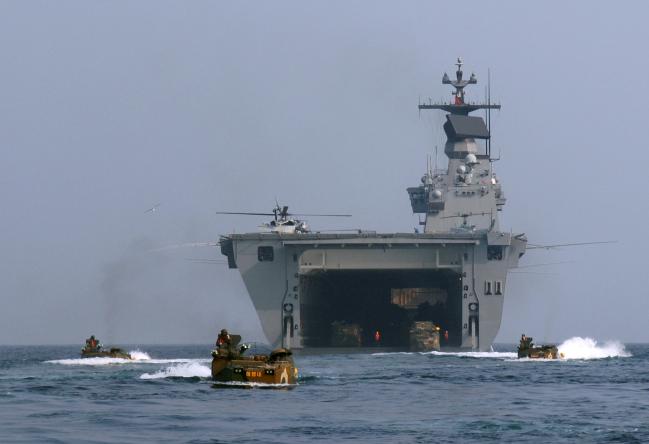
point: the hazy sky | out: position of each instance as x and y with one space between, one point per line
107 108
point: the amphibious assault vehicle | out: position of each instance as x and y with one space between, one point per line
94 349
527 349
229 365
99 352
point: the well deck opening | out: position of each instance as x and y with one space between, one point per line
387 301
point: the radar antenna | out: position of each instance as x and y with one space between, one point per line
459 105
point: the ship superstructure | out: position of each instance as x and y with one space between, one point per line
304 283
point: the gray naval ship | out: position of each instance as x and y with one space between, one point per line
453 273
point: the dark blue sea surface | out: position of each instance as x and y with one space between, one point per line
47 394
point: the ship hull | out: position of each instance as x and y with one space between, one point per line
305 285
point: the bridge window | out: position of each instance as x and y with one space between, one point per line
487 287
265 254
498 287
495 253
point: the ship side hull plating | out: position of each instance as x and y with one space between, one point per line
301 284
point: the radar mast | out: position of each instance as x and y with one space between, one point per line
458 105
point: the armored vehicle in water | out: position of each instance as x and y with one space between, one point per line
424 336
452 272
229 365
112 352
93 349
527 349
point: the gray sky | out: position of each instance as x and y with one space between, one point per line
107 108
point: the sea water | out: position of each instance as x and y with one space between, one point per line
598 393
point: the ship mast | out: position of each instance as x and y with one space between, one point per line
460 126
459 105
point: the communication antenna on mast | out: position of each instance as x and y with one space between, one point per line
435 157
489 112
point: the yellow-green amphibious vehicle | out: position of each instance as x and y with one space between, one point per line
94 349
229 365
527 349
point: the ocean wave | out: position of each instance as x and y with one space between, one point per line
191 369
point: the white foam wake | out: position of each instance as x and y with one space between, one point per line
191 369
90 361
137 355
588 348
493 355
175 361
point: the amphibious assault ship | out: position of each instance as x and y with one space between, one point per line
453 273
